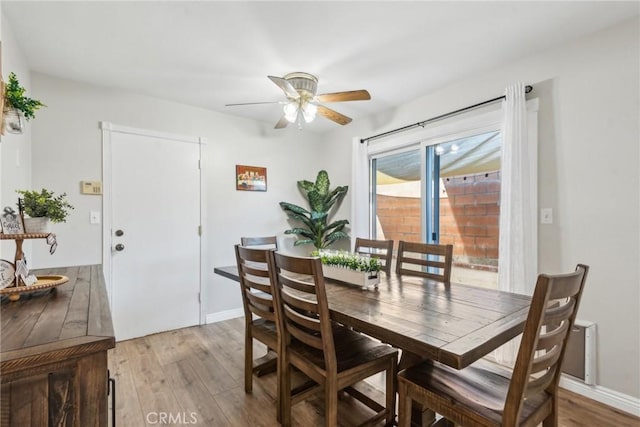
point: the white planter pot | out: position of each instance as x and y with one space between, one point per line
360 278
39 225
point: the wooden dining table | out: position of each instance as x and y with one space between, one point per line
454 324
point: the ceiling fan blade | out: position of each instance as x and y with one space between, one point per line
282 123
252 103
287 87
333 115
353 95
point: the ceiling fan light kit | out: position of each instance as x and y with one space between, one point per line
303 104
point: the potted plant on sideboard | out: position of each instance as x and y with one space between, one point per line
43 207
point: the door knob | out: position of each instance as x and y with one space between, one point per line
119 233
119 247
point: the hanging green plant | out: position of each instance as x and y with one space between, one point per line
15 98
317 230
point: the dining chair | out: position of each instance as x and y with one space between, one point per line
266 242
258 304
483 394
381 249
425 260
330 354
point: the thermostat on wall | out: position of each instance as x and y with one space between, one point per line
91 187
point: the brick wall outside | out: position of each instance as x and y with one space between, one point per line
469 218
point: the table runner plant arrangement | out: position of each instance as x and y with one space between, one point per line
351 268
349 261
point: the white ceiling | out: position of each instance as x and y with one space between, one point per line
209 53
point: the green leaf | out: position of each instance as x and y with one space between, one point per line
305 185
294 208
302 232
337 225
336 195
318 216
316 201
322 183
332 237
302 242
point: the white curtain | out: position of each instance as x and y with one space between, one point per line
517 262
359 222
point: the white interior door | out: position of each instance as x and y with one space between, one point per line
155 239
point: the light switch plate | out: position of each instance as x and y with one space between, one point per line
94 217
546 216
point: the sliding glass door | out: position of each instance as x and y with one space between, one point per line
447 192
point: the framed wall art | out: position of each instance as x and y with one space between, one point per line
251 178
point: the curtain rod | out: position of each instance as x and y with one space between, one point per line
527 89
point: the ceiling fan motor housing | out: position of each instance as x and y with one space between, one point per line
306 84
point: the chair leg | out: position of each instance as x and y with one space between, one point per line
279 387
404 405
248 360
285 394
552 418
331 402
391 388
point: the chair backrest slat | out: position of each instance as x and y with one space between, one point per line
261 305
265 242
299 285
255 283
547 360
548 340
552 314
417 258
381 249
302 304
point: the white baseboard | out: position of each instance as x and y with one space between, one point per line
224 315
604 395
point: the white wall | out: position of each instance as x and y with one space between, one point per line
588 174
15 150
67 150
588 170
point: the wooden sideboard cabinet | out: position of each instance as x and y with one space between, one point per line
53 353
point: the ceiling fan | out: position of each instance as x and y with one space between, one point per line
303 104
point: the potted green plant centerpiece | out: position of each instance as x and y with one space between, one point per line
17 105
316 228
351 268
43 207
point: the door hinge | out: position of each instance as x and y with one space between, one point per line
199 230
199 164
199 297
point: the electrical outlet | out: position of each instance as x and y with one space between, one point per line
546 216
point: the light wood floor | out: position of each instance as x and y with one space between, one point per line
194 376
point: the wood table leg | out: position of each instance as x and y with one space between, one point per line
266 364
